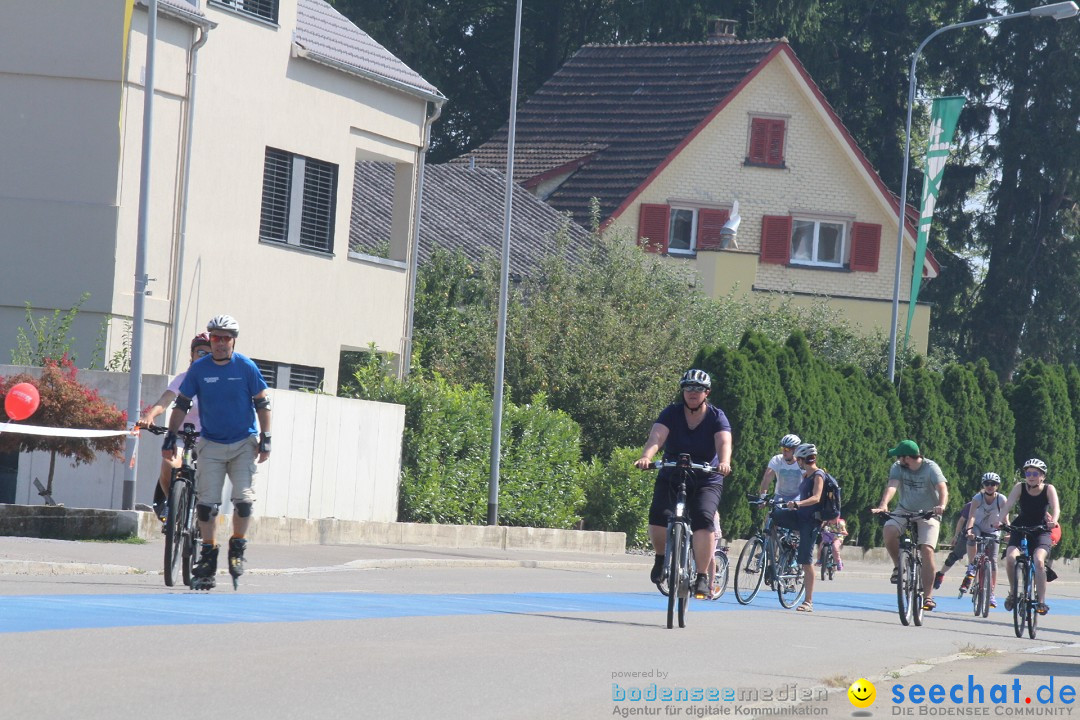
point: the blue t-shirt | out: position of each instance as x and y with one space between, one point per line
225 392
699 442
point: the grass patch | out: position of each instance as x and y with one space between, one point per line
986 651
837 681
132 539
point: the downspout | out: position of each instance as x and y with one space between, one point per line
189 114
414 261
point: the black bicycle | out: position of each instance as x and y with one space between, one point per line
759 561
182 536
910 593
679 566
1025 601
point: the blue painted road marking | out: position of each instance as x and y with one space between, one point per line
30 613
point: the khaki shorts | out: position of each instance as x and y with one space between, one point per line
927 529
216 460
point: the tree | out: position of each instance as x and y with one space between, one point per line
65 403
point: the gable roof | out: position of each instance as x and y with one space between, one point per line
629 109
325 35
629 106
463 210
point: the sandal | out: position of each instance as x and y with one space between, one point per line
929 604
895 576
807 607
1042 608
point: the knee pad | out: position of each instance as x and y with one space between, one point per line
243 509
206 512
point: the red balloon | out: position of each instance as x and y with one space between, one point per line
22 401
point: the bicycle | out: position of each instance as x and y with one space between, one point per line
789 573
910 593
1025 601
982 587
829 566
759 558
182 535
720 574
679 566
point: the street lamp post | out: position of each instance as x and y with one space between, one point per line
1057 11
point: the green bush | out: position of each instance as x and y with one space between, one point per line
617 497
447 449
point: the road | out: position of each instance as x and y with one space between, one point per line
487 638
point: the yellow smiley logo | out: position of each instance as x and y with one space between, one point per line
862 693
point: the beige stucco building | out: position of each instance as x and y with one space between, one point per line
261 109
667 137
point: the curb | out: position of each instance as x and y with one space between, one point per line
36 567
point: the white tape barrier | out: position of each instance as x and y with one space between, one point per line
59 432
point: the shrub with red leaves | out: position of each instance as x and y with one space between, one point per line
65 403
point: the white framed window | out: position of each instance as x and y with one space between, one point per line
682 231
818 242
283 376
299 199
265 9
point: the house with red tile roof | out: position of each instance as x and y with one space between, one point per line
672 138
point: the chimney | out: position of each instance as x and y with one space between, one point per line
721 30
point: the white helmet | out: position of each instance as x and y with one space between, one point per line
790 441
991 478
696 377
223 325
806 450
1035 463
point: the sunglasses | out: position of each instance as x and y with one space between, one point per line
221 338
202 352
1032 473
695 388
990 484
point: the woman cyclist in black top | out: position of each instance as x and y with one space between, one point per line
1039 505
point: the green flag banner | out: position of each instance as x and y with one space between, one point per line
943 117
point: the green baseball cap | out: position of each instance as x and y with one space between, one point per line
906 447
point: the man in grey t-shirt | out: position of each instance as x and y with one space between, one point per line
922 488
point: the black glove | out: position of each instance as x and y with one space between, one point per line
264 442
169 443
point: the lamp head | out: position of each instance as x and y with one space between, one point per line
1058 11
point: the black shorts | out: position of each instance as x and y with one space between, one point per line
1035 540
701 502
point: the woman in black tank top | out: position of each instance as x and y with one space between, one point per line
1038 503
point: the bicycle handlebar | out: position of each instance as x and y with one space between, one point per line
659 464
925 515
759 500
189 435
1025 529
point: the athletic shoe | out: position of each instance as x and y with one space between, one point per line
967 582
702 589
938 579
993 601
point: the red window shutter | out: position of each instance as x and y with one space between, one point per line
709 225
865 246
759 140
776 239
774 154
653 222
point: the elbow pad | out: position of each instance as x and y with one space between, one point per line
262 403
182 403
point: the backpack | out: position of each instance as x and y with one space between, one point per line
829 508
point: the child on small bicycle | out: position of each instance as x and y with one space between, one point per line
983 519
833 533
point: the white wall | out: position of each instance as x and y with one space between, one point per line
332 457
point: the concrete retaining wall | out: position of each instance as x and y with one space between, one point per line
86 524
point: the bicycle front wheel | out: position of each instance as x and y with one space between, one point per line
789 579
1032 615
918 592
1020 599
750 570
827 562
174 528
904 587
986 588
675 570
